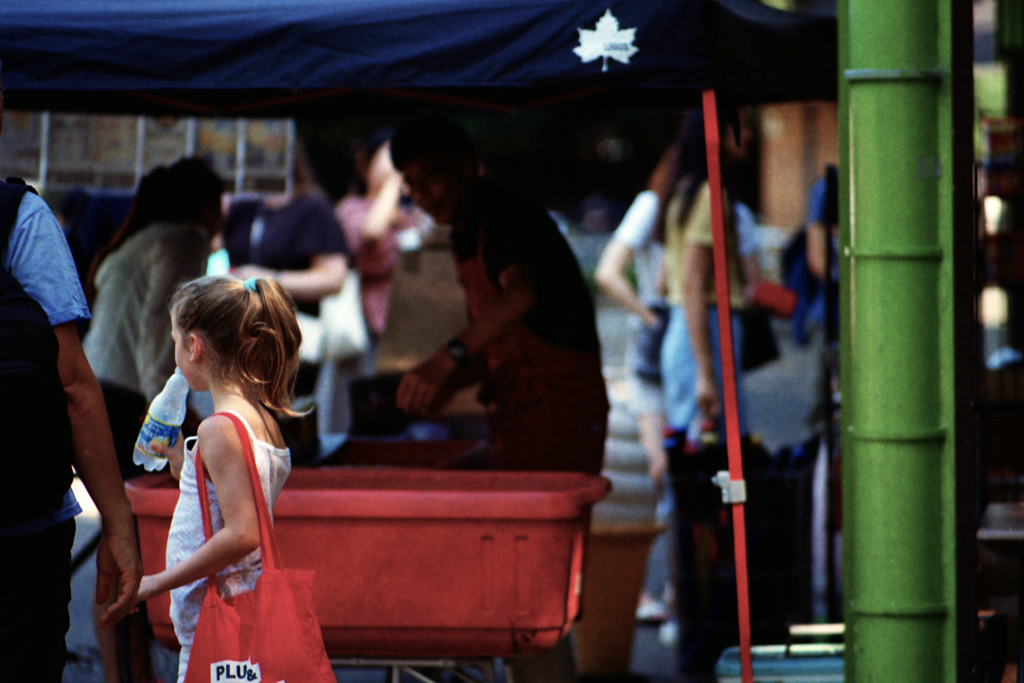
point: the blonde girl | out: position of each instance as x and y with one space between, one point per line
240 342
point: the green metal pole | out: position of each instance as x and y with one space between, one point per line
845 357
899 533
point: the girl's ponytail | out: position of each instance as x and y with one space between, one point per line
251 331
268 359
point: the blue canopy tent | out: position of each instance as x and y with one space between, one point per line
328 57
287 57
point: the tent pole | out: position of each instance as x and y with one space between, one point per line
732 423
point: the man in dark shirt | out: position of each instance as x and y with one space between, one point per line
532 337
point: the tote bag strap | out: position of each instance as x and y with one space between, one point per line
268 545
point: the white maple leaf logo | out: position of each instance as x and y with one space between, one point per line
607 40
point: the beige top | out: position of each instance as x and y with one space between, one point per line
695 228
129 340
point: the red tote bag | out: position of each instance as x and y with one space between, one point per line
269 634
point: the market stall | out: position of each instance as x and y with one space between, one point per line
325 58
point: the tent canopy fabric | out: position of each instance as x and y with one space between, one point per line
265 56
765 55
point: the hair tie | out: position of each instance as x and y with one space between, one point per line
250 284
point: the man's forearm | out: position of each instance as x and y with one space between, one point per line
94 457
93 445
515 297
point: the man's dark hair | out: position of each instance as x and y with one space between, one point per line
430 135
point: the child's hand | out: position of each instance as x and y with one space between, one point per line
175 454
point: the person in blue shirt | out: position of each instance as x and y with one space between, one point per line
35 575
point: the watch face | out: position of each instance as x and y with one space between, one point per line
457 350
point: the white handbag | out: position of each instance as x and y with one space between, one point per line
340 331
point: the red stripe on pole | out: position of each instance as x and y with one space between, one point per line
732 421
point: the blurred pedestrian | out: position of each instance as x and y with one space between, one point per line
372 214
292 238
819 290
165 240
638 243
532 336
690 361
692 374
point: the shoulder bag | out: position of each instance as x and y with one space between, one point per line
340 331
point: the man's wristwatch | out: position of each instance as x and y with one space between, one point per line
458 351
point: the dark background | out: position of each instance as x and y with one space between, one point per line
573 162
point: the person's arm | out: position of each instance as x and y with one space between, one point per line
426 388
517 293
611 278
817 234
751 267
816 230
635 230
96 464
225 463
661 281
748 245
325 276
699 266
385 213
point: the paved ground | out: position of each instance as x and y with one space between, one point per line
779 396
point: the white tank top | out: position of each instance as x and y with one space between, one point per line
186 535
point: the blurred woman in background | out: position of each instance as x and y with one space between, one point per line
372 214
295 239
690 359
165 239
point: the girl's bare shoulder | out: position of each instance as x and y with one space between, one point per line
262 422
217 433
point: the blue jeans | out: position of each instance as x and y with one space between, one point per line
679 371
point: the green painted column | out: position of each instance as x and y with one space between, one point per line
896 343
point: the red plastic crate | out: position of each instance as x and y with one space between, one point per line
418 562
399 452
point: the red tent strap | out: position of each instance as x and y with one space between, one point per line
732 423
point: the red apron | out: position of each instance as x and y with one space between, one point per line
546 406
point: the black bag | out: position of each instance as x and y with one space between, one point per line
33 411
648 345
126 410
759 346
374 406
778 513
